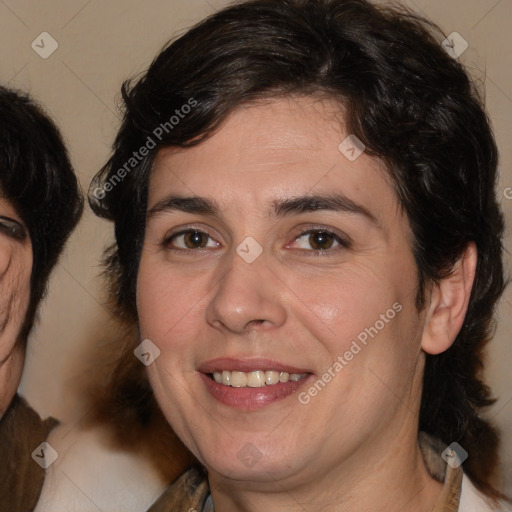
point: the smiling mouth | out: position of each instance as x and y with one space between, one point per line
254 379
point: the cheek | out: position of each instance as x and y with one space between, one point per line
340 306
167 303
10 376
15 272
367 324
16 265
5 259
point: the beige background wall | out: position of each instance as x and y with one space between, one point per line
101 43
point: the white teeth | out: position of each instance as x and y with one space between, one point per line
226 378
271 377
238 379
255 379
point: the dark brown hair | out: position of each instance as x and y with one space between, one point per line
37 178
406 99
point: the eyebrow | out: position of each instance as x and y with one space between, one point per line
280 208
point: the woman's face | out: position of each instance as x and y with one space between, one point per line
15 272
277 262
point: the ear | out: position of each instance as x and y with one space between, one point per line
448 304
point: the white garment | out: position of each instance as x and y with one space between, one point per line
472 500
88 475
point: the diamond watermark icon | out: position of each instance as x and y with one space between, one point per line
351 148
454 455
249 249
455 45
249 455
44 45
45 455
147 352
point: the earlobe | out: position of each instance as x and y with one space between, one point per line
449 303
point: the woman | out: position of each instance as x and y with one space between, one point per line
40 205
308 242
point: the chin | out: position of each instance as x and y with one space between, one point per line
245 461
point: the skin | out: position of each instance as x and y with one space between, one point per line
15 271
354 445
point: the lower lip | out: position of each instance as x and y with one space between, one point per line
250 399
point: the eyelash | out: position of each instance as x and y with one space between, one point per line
343 243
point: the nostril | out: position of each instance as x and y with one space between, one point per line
256 322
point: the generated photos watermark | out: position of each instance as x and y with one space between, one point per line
150 143
455 45
454 455
249 455
343 360
45 455
249 250
147 352
351 148
44 45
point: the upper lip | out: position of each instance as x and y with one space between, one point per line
248 365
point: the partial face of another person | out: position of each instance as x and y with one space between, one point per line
272 254
15 272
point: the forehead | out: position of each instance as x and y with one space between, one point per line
270 151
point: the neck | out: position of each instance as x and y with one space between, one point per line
390 476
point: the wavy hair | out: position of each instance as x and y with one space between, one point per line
411 104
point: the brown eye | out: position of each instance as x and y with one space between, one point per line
194 239
12 228
191 239
321 240
318 240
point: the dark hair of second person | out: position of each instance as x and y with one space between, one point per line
40 203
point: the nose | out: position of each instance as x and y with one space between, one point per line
248 298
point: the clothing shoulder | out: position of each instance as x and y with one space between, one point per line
472 500
21 433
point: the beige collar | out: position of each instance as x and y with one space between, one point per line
432 448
